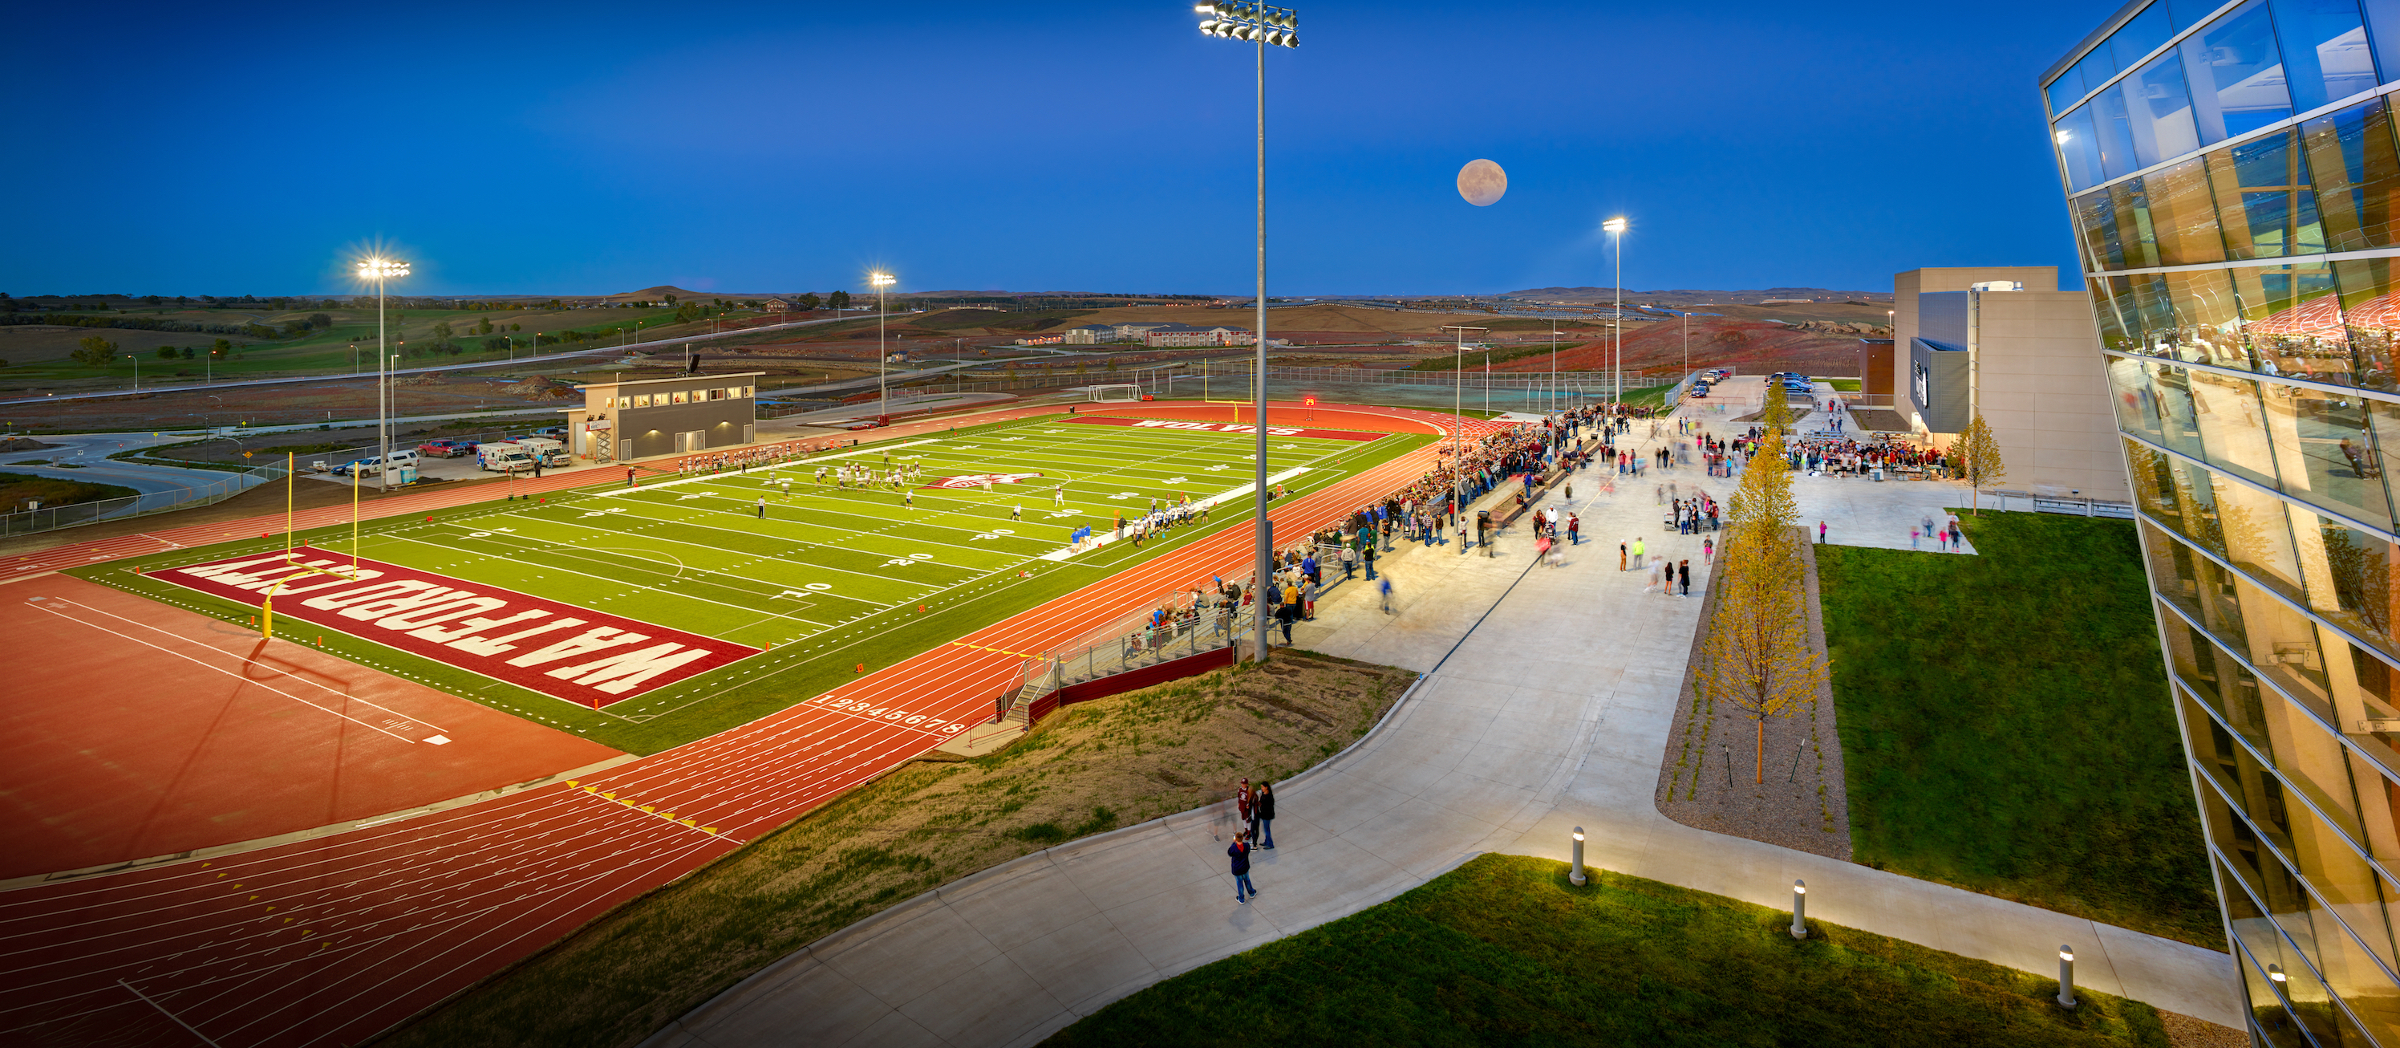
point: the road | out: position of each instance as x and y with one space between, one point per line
159 486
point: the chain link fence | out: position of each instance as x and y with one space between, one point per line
50 518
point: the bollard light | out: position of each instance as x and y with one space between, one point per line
2066 976
1799 909
1575 865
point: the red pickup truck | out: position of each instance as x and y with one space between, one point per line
446 448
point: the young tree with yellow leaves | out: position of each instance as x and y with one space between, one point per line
1757 657
1975 455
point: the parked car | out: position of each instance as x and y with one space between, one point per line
446 448
374 464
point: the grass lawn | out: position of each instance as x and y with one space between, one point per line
1503 950
1087 769
830 578
2006 724
18 488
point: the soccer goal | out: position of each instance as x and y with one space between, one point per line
1113 394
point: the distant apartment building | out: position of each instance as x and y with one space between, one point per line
2232 179
1193 335
1090 335
2005 342
777 305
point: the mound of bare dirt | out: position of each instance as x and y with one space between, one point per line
22 444
538 387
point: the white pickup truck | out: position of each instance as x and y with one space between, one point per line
374 464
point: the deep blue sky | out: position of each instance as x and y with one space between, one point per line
207 149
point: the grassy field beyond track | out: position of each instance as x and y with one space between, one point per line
2006 724
1503 950
826 578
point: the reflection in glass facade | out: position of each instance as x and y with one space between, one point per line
2232 173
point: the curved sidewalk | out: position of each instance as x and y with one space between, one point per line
1549 711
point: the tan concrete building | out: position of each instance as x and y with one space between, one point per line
2028 360
663 416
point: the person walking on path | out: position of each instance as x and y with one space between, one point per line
1637 551
1574 530
1241 807
1820 533
1386 590
1683 570
762 507
1262 813
1708 550
1349 563
1284 614
1239 852
1370 561
1620 556
1308 600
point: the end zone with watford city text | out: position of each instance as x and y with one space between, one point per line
590 658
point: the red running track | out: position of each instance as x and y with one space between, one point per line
333 940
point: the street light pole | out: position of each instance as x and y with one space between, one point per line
1262 25
380 270
1458 426
883 404
1616 321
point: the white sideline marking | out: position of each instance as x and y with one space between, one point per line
865 449
1100 539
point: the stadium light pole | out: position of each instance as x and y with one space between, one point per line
1260 25
379 270
1458 429
1616 320
883 404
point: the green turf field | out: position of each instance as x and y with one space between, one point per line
829 578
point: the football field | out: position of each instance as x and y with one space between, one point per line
768 585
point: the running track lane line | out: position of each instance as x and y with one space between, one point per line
248 660
38 606
694 762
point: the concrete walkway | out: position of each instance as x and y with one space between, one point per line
1548 704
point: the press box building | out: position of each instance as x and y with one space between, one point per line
2008 343
620 421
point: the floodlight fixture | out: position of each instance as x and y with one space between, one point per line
380 268
1614 225
1249 23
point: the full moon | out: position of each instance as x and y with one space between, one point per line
1482 183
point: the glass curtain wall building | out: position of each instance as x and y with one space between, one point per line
2233 177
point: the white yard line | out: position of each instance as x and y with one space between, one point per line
869 450
546 566
1100 539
